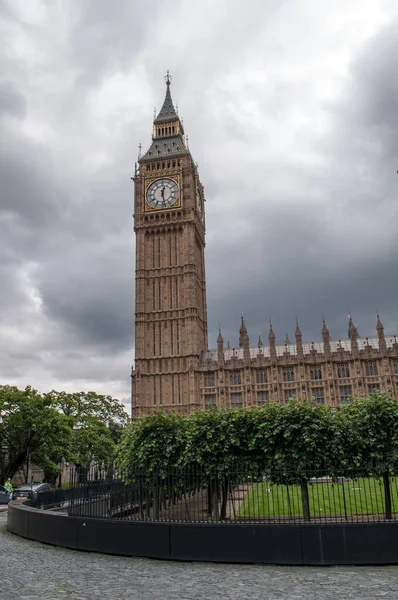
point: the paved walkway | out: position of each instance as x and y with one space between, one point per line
30 570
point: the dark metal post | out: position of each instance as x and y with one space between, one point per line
27 456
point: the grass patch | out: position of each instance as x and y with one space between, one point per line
364 496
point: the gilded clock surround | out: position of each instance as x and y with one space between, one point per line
162 176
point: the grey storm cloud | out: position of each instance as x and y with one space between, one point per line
290 111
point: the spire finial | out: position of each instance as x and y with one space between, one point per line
139 150
154 112
168 78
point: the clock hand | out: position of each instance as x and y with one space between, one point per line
162 191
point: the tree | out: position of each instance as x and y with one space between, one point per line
31 427
85 405
155 443
148 451
97 421
370 425
298 440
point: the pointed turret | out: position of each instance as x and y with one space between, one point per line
260 341
299 342
272 346
168 139
353 335
380 335
287 341
220 347
167 112
244 340
325 338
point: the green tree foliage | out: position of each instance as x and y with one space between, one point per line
97 421
218 440
291 444
370 427
82 406
80 427
28 422
157 442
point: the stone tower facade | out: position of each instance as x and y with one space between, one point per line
174 369
170 308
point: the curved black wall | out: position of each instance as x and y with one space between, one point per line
335 544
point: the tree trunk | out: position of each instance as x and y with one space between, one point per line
209 497
50 477
305 500
387 494
224 497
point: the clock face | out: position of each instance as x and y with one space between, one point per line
162 193
199 202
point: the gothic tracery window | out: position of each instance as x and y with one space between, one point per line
373 388
235 378
289 394
345 394
210 380
210 400
343 370
236 400
316 373
262 397
371 369
288 374
319 395
261 377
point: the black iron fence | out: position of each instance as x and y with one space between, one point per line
194 495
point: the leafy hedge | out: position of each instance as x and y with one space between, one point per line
299 436
290 443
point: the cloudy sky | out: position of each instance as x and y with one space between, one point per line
291 111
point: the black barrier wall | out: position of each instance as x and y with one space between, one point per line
334 544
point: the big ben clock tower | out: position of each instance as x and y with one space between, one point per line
170 293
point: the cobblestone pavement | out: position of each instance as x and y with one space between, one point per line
30 570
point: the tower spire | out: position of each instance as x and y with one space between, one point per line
353 335
220 346
325 338
299 342
380 335
272 346
168 136
167 112
244 340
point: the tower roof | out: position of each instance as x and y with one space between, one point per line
168 141
297 332
271 335
325 330
352 330
167 112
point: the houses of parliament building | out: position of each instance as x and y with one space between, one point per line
174 369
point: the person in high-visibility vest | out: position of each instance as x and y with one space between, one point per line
8 486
